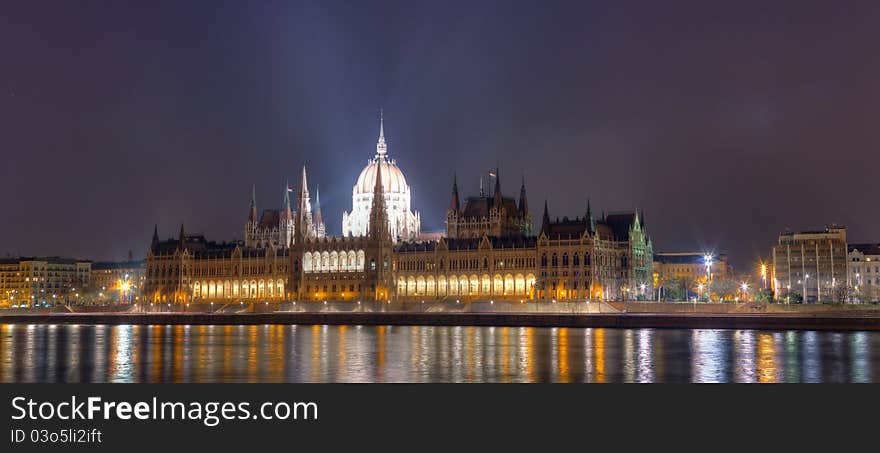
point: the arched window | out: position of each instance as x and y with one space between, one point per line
586 259
544 260
554 261
575 260
565 259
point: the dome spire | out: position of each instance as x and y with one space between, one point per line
381 147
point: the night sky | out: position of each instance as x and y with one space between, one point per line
726 123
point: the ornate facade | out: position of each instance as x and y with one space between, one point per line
489 252
192 269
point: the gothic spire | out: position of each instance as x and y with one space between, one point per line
523 202
378 216
253 215
454 205
545 219
381 147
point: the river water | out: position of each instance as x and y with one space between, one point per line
282 353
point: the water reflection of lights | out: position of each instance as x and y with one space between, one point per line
644 363
812 358
860 353
744 356
709 356
629 363
64 353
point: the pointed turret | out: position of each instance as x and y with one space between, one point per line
253 215
154 245
545 219
523 202
378 216
181 240
304 211
496 201
318 219
455 204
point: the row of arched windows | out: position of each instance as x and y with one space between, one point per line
232 289
464 285
342 261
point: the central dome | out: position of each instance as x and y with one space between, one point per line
403 224
392 178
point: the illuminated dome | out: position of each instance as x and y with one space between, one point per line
402 222
392 178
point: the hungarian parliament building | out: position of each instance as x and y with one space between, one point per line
490 250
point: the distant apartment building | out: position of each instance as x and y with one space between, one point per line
689 265
863 274
810 265
124 280
36 281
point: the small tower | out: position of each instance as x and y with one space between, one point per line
253 214
251 226
286 227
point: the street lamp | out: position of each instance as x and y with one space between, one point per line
745 287
804 289
764 275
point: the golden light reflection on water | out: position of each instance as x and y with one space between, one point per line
316 352
766 358
341 353
530 353
178 354
380 352
505 354
599 350
272 353
562 355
